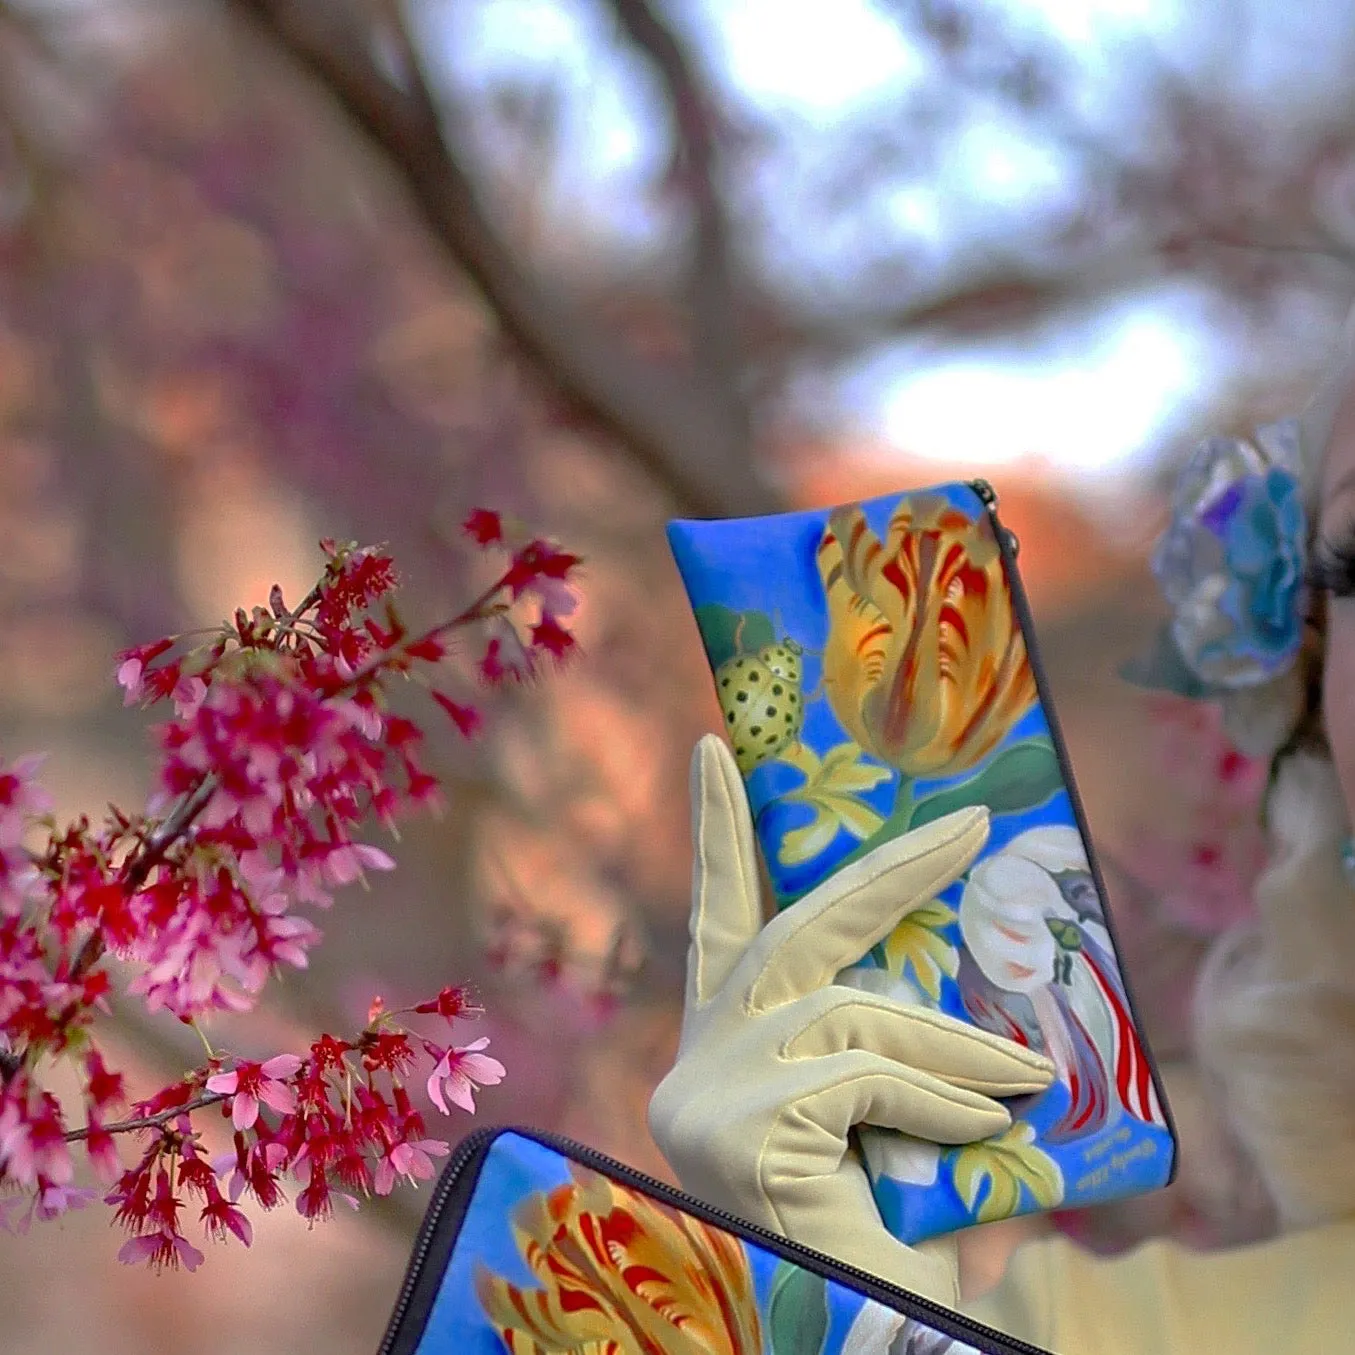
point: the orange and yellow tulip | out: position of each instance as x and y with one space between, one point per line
925 665
619 1274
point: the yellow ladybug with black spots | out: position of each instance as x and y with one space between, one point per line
762 699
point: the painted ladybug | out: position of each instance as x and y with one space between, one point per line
762 701
784 659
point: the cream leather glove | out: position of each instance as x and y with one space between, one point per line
776 1063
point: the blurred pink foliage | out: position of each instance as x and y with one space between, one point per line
1202 861
1186 877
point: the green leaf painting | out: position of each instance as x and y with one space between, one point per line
797 1312
990 1175
719 626
1067 934
1018 778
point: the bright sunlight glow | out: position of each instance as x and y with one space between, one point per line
1096 403
1094 411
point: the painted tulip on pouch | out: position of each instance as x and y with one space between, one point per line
925 665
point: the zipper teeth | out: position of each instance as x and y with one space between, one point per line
953 1324
1025 617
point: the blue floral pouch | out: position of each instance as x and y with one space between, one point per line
876 669
533 1245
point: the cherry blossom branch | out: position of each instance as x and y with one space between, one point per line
280 749
156 1121
161 1049
176 824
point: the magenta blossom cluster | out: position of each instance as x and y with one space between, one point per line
279 759
340 1120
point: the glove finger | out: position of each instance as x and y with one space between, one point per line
726 909
833 926
843 1019
842 1091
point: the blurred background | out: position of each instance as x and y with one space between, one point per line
272 270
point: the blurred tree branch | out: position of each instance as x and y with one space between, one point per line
685 425
715 341
1203 195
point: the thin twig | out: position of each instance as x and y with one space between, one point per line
155 1121
140 864
180 820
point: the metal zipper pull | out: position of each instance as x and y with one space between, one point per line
988 494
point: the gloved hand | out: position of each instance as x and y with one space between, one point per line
776 1063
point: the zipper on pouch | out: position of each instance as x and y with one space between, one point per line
457 1185
1009 547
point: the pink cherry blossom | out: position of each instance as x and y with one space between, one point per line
53 1200
346 863
459 1072
506 658
21 800
129 678
101 1150
163 1250
249 1083
221 1216
413 1161
32 1144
